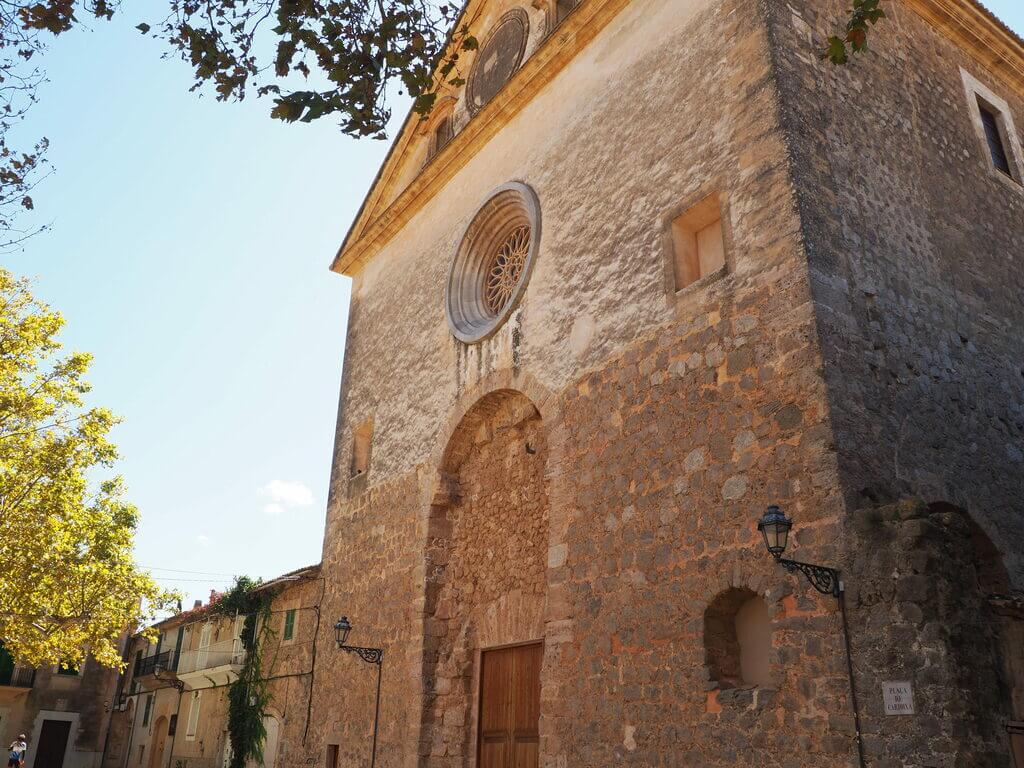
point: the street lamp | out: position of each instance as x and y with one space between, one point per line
775 527
371 656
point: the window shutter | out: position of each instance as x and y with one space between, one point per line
193 715
289 624
997 151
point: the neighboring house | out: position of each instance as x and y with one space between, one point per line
174 707
652 268
63 712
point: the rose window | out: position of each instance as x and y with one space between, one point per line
492 266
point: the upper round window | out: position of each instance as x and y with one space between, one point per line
498 59
492 265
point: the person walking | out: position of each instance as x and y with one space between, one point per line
17 752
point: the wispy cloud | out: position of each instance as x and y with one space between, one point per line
203 539
284 495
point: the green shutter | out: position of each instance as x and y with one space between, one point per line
289 624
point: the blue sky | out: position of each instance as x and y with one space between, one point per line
189 253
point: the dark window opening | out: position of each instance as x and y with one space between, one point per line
994 138
442 134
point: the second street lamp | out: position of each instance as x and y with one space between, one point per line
374 656
775 527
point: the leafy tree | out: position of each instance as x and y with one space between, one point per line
68 583
863 15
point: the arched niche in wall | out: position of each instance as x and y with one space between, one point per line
738 639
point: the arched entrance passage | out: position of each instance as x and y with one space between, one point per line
486 586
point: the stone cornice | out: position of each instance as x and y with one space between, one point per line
965 22
976 30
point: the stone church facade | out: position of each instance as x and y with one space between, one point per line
654 268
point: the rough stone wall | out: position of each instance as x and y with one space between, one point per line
914 244
288 664
373 564
919 614
488 558
670 421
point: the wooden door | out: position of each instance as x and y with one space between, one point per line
156 752
53 742
510 707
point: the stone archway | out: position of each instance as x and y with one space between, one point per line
486 562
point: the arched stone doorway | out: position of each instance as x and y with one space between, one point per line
486 587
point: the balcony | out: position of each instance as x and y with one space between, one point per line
217 664
154 671
21 678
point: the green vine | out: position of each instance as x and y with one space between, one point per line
248 696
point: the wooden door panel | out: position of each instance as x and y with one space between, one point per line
526 752
494 752
495 691
526 689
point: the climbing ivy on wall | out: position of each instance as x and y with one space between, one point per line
248 696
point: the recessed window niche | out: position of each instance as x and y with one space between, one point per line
361 442
697 242
737 639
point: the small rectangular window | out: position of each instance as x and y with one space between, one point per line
698 242
332 756
994 137
193 715
147 710
289 624
67 669
442 134
361 441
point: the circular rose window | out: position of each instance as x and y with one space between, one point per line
493 263
498 59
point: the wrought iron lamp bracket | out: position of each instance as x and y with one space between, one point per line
825 580
369 655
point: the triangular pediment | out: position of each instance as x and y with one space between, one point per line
426 155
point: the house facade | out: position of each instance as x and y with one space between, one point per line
652 269
63 710
173 712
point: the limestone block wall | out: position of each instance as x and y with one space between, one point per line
914 243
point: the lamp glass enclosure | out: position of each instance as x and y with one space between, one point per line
341 630
775 527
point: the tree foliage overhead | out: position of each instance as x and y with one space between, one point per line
355 48
69 584
864 15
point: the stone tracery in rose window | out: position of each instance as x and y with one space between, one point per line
506 268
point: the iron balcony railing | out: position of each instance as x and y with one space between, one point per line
21 677
151 664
